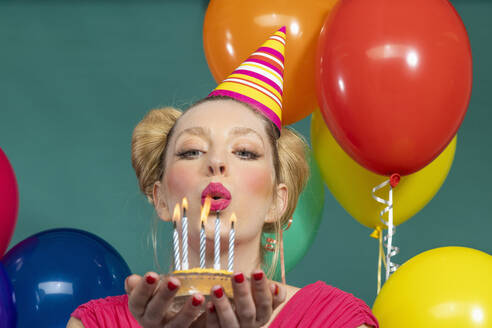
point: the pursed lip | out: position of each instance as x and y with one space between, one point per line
221 197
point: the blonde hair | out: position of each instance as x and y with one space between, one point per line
149 143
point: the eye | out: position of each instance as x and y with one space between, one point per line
189 154
246 154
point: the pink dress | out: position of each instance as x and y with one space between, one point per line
316 305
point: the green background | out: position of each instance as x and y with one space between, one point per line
76 77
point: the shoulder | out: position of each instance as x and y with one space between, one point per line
110 303
96 312
323 305
348 310
74 323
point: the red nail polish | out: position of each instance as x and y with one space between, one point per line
276 290
196 301
171 286
212 309
219 292
239 277
258 276
150 280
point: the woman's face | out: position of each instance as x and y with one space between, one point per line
220 148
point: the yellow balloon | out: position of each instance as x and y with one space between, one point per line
352 184
445 287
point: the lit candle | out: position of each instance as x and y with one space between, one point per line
177 259
185 235
232 238
217 243
203 222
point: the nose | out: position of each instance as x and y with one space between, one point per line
217 166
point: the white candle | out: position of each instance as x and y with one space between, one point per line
203 220
232 238
202 246
177 259
185 235
217 243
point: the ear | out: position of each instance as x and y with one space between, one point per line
160 206
279 205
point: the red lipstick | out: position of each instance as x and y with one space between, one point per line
220 196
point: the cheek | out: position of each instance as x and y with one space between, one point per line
257 182
179 180
256 188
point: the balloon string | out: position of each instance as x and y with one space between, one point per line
379 260
377 234
390 249
381 250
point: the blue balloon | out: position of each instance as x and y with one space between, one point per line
55 271
8 315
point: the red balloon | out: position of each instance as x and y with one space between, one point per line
9 202
393 80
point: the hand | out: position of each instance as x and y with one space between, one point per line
150 298
254 302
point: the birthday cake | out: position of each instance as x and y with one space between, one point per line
198 280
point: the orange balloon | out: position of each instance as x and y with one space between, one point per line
233 29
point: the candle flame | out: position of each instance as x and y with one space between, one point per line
185 204
205 209
177 213
233 218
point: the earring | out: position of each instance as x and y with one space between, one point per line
270 244
289 223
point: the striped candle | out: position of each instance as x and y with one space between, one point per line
185 235
203 220
177 259
217 243
202 247
232 238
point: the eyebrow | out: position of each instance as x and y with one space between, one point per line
196 131
205 132
240 131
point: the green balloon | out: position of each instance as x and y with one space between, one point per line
306 219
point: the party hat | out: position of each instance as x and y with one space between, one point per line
258 81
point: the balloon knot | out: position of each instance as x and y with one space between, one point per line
376 233
394 180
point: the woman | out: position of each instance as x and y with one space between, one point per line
229 146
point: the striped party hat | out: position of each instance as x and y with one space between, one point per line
258 81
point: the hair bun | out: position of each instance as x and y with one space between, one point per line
149 140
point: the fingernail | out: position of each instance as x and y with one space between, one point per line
171 286
212 309
239 277
276 290
219 292
150 280
196 301
258 276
